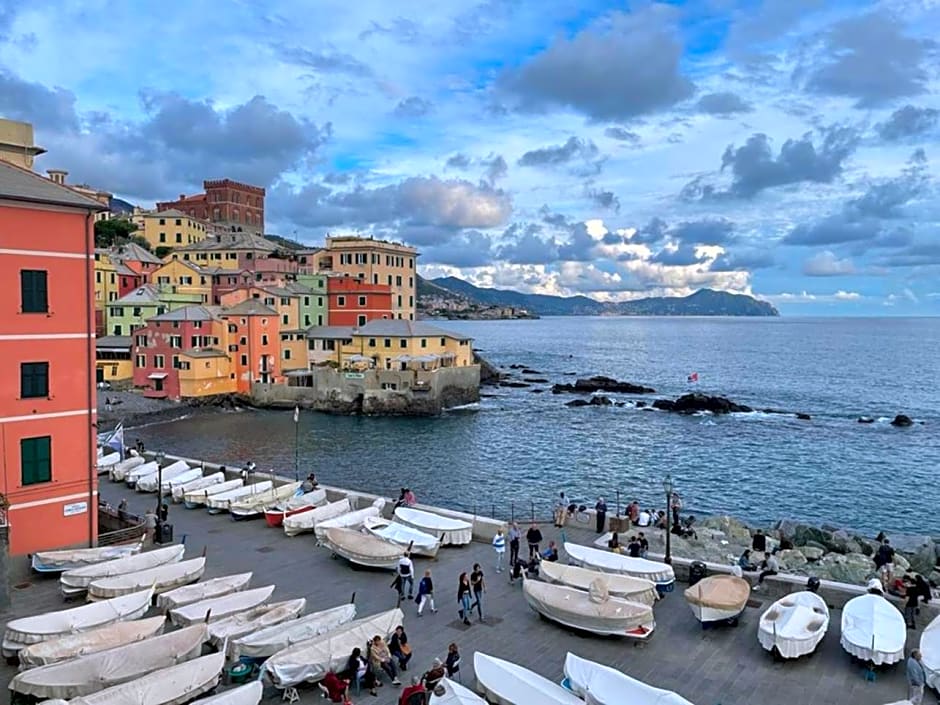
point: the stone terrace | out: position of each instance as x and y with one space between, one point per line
713 667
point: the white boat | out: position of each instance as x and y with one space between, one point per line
220 607
162 578
268 641
254 504
71 559
105 669
254 619
276 513
352 520
311 659
207 589
148 483
169 686
363 549
873 630
134 477
592 611
456 532
220 502
72 646
930 652
248 694
307 521
625 586
20 633
131 476
191 475
76 581
118 471
198 497
603 685
794 625
609 562
718 598
419 543
200 483
454 694
106 462
505 683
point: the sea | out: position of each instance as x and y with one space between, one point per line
511 454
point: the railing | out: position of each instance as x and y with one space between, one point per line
130 534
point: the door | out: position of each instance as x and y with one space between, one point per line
99 375
158 385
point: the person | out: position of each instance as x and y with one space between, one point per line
633 548
337 689
644 545
600 514
107 404
478 584
922 586
516 570
499 545
452 662
359 669
410 499
412 690
381 657
463 598
534 537
515 536
406 569
911 598
759 542
614 543
434 675
633 511
398 585
688 528
122 508
884 561
164 512
310 484
139 446
400 502
676 506
399 648
550 554
771 567
644 518
532 568
661 520
426 593
916 678
150 524
745 561
560 509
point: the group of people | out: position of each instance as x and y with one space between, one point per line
406 498
637 546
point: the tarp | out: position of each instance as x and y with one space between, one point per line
363 549
108 461
117 472
455 694
873 630
344 521
930 652
794 624
609 562
248 694
607 686
221 607
217 587
180 469
137 471
316 498
71 559
134 477
90 642
200 496
162 578
251 620
77 580
634 589
421 543
590 612
256 502
222 500
720 592
306 521
200 483
456 531
267 642
505 683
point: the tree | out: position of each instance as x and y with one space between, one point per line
117 231
163 251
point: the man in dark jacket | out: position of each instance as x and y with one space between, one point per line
600 510
759 542
534 538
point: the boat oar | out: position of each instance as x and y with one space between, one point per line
208 612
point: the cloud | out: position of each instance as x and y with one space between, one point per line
724 103
807 298
710 231
826 264
470 248
770 20
604 199
744 261
919 254
414 107
458 161
400 29
681 256
528 248
52 108
622 134
909 121
496 168
573 149
325 61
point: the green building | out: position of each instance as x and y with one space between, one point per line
314 307
133 310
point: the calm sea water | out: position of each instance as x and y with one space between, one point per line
519 447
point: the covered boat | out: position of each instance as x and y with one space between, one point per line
220 502
118 471
200 483
592 611
20 633
133 478
505 683
254 619
248 694
452 693
363 549
420 543
275 514
130 477
307 521
108 461
89 674
74 582
794 625
71 559
253 505
456 532
608 562
221 607
930 653
148 483
217 587
311 659
162 578
603 685
625 586
873 630
352 520
191 475
718 598
198 497
268 641
72 646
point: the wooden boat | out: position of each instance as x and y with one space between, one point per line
118 471
75 582
352 520
363 549
252 506
131 476
218 503
92 641
162 578
72 559
200 483
275 514
418 542
456 532
609 562
593 611
181 469
454 694
603 685
198 497
248 694
873 630
220 607
794 625
307 521
268 641
207 589
506 683
262 617
718 598
625 586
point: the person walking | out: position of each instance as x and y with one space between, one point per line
463 598
426 593
916 678
600 510
406 569
478 585
499 545
534 537
398 586
515 536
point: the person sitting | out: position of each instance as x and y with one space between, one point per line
310 484
336 689
410 499
551 553
643 518
399 648
532 568
400 502
614 543
771 567
381 657
633 548
661 520
745 561
687 529
517 569
358 669
414 694
434 675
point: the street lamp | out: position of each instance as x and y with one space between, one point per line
160 457
668 488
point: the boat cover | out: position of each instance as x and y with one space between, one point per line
604 685
90 642
79 579
720 592
248 694
311 659
505 683
222 500
107 461
117 472
421 543
200 483
455 694
794 624
137 474
626 586
70 559
363 549
608 562
253 619
316 498
221 607
88 674
140 471
593 611
345 521
162 578
873 630
217 587
191 475
256 502
268 641
305 521
200 495
930 653
456 531
148 483
168 686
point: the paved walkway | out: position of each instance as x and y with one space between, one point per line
714 667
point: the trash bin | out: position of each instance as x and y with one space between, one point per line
618 524
697 571
164 533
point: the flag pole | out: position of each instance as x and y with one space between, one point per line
296 443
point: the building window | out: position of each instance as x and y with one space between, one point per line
176 341
319 301
162 237
319 320
118 330
176 362
375 278
179 222
362 300
389 279
411 281
34 290
244 360
361 320
141 361
264 340
34 380
36 460
424 342
371 342
197 324
141 341
97 277
397 281
162 221
243 340
287 353
387 342
340 300
403 343
443 342
158 361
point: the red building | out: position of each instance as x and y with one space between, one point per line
227 203
353 302
47 388
127 279
135 257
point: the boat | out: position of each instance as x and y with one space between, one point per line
363 549
20 633
218 503
307 521
310 660
352 520
162 578
794 625
930 652
220 607
105 669
452 693
625 586
208 589
275 514
92 641
131 476
134 477
71 559
592 611
608 562
179 469
873 630
198 497
268 641
418 542
253 505
169 686
718 598
118 471
202 482
75 582
506 683
106 462
456 532
254 619
602 685
248 694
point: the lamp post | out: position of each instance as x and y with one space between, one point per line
668 488
159 458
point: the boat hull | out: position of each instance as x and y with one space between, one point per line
275 518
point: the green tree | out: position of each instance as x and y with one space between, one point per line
117 231
163 251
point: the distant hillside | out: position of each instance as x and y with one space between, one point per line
286 243
542 304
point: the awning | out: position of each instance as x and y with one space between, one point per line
157 375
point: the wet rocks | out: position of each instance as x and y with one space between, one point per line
902 421
792 559
851 568
811 553
514 385
599 383
530 371
599 400
536 380
729 526
925 560
693 403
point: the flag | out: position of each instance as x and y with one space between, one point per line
296 414
693 377
116 440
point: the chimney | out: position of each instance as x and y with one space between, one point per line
182 196
57 176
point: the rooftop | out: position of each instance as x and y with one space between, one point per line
134 252
350 241
146 294
204 353
330 332
186 313
113 341
250 307
397 328
18 184
231 241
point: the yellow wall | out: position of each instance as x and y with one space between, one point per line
360 346
214 257
116 370
106 282
293 351
182 278
206 376
172 230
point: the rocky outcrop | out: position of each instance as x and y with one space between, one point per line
599 400
514 385
692 403
535 380
488 373
600 383
902 421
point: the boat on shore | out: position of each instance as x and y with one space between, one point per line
248 694
74 558
794 625
507 683
134 477
131 476
454 694
217 608
75 582
117 472
625 586
89 642
873 630
108 461
251 620
602 685
608 562
218 503
930 652
718 598
363 549
252 506
274 515
307 521
179 469
179 490
417 542
269 640
194 499
351 520
162 578
453 532
592 611
207 589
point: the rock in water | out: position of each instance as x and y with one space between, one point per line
577 402
902 421
803 417
865 419
691 403
599 383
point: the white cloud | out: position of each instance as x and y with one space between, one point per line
827 264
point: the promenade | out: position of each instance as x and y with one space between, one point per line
713 667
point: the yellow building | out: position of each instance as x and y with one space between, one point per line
179 277
113 359
205 373
232 251
107 289
16 144
171 228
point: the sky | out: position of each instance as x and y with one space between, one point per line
781 148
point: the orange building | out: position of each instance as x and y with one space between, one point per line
354 302
254 343
47 344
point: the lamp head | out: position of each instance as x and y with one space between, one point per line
667 485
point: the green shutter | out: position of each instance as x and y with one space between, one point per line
36 459
33 291
34 379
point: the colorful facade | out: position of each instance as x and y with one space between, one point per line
353 302
177 276
230 204
253 343
172 228
314 306
133 310
238 251
106 280
113 361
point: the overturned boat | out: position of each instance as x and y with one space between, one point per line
352 520
603 685
275 514
92 641
251 620
453 532
220 607
107 461
161 578
217 587
75 582
873 630
363 549
718 598
930 653
72 559
418 542
134 477
448 692
268 641
253 505
625 586
141 470
248 694
794 625
592 611
608 562
509 684
302 522
218 503
202 482
119 470
200 496
179 469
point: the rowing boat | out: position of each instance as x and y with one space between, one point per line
261 617
207 589
275 515
72 646
71 559
74 582
161 578
217 608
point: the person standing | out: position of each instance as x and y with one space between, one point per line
559 511
515 536
676 507
453 660
644 545
406 569
463 598
600 510
916 678
910 602
759 542
884 561
534 537
426 593
633 547
478 585
633 511
499 545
